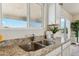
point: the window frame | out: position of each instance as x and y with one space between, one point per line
54 21
28 18
42 16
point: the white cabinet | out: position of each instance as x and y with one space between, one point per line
56 52
66 49
63 50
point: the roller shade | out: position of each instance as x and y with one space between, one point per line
14 10
35 11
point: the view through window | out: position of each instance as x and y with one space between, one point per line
15 15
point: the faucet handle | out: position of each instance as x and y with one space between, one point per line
45 35
32 37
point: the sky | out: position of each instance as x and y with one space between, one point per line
19 23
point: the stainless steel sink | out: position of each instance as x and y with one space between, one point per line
45 42
33 46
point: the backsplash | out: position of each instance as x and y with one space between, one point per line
23 41
20 41
11 33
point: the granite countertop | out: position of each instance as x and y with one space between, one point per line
47 49
17 51
12 51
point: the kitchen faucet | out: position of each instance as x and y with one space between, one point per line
32 37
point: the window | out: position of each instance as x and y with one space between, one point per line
0 15
14 15
63 30
22 15
62 23
51 14
65 27
36 17
68 28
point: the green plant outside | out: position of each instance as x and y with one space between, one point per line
75 28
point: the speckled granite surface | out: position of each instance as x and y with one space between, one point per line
15 50
47 49
12 51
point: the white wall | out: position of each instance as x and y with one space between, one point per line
66 14
20 33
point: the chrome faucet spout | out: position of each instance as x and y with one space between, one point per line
33 37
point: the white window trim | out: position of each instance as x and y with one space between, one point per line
28 19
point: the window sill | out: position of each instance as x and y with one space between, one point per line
4 28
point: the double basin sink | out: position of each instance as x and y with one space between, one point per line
34 46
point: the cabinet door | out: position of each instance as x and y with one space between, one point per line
66 51
56 52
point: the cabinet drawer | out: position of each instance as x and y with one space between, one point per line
66 51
